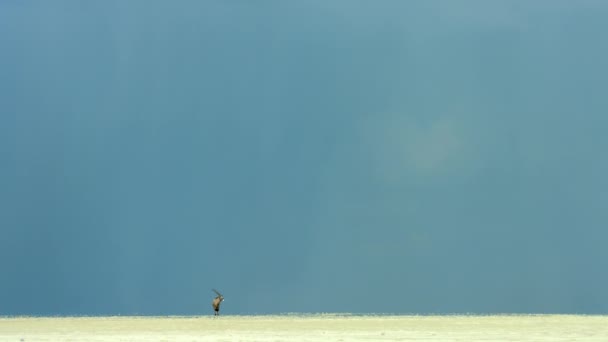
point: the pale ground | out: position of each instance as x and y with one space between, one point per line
538 328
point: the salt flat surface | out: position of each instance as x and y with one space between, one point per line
538 328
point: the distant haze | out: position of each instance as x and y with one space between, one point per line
303 156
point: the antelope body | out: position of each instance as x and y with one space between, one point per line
216 302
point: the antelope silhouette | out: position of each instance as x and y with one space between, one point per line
216 302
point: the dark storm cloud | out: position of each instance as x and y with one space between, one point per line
447 156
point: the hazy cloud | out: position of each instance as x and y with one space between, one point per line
408 150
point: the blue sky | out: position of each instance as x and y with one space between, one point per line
319 156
